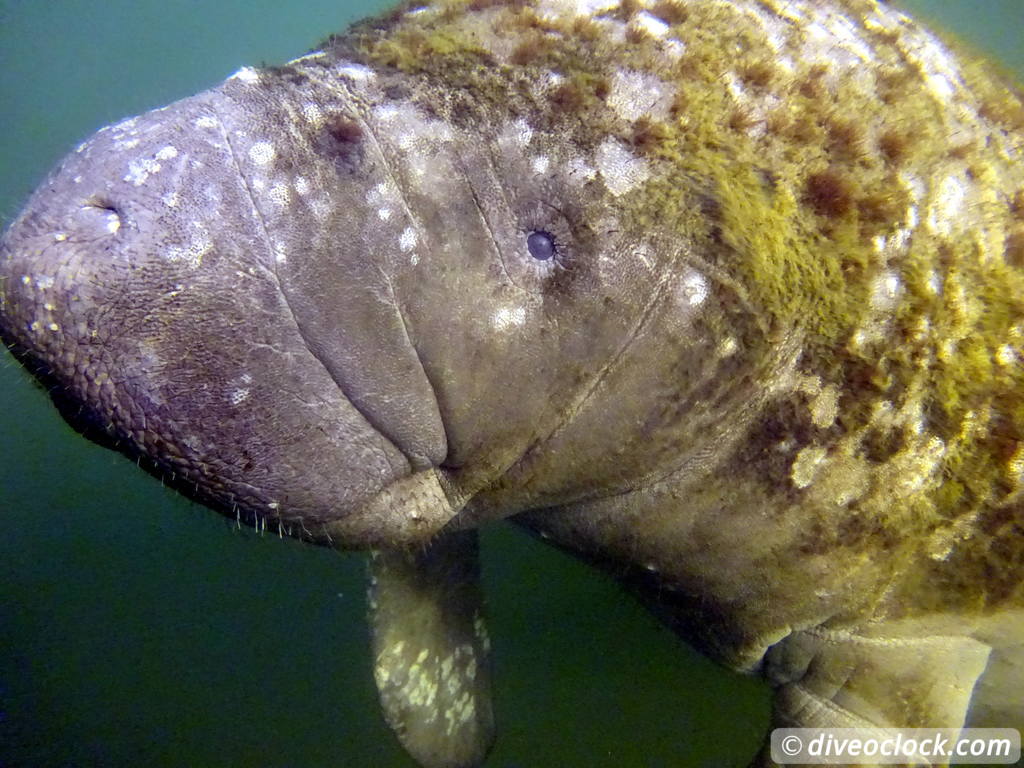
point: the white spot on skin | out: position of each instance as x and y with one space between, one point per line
170 199
43 282
580 171
302 185
825 407
1015 466
941 87
407 240
885 291
508 317
693 289
806 465
60 237
312 113
540 164
246 75
518 133
197 249
167 153
557 9
262 153
1006 355
727 347
652 25
140 170
635 94
205 122
946 211
384 214
621 170
674 48
238 396
412 131
355 72
384 194
280 195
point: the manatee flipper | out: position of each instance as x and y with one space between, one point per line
431 651
835 679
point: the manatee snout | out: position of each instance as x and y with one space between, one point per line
139 284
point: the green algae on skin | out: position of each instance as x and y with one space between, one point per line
863 189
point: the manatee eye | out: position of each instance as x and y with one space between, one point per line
541 245
538 246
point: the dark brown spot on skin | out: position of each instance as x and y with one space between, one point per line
880 445
1014 253
636 35
893 146
828 194
343 141
892 83
960 152
811 86
567 97
679 104
845 140
647 135
758 74
627 10
1017 205
741 120
586 30
669 12
531 50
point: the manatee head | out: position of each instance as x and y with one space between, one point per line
334 299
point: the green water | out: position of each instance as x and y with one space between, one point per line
137 629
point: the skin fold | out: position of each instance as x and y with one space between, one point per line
723 298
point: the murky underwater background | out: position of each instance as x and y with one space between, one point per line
138 629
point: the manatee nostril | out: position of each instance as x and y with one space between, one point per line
110 218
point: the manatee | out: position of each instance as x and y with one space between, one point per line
723 298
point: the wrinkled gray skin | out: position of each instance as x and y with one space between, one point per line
311 305
309 327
